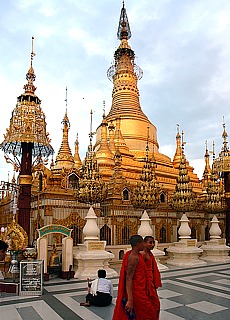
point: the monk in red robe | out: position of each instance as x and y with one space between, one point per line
153 271
135 289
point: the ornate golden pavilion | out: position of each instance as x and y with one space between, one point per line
123 172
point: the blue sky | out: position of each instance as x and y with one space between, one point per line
183 48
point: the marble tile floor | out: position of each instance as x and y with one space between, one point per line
201 293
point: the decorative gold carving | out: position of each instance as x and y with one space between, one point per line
72 219
126 222
25 179
146 193
183 198
17 235
92 189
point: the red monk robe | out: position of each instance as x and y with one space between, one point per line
154 273
155 278
143 293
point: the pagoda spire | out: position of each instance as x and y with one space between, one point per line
222 165
123 31
64 157
225 149
111 129
124 74
207 169
30 76
104 155
118 138
183 198
77 159
214 195
177 156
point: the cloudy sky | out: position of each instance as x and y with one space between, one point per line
182 46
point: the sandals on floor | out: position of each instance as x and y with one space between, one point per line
85 304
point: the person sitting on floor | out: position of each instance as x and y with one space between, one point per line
100 291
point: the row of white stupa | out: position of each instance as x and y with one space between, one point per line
91 256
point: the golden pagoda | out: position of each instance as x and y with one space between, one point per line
120 160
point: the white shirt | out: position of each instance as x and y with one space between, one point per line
1 276
104 285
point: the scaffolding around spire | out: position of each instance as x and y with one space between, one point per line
123 31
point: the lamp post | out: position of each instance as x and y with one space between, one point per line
26 138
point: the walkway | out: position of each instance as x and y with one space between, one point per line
194 293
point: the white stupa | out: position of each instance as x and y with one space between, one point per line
185 253
91 256
215 250
146 230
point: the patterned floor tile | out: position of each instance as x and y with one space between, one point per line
168 294
206 307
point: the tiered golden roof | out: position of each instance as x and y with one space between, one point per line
92 189
146 192
183 198
222 163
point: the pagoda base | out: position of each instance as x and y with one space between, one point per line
215 251
89 258
185 253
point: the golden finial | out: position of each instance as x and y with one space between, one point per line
182 141
206 149
178 132
224 135
213 150
66 98
33 54
91 123
147 142
91 134
178 128
30 76
124 31
103 116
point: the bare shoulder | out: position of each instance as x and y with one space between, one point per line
133 259
144 254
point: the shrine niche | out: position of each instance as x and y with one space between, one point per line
66 251
73 181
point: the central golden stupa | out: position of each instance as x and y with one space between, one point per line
124 163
